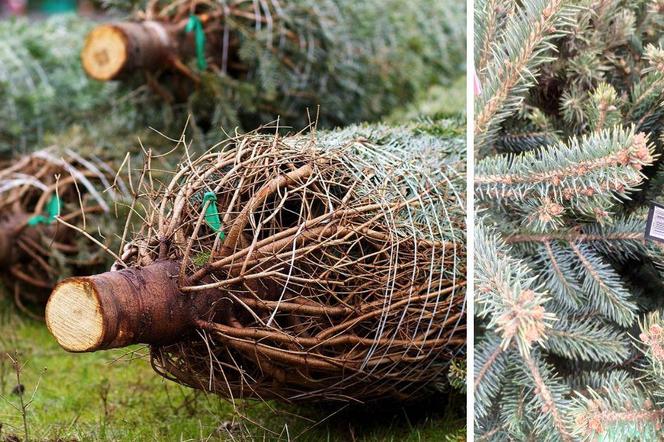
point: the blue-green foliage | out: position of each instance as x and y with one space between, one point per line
332 62
563 173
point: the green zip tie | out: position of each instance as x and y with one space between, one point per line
52 209
212 214
196 25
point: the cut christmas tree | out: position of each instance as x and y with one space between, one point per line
246 63
44 90
55 204
318 266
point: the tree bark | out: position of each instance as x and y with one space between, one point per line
131 306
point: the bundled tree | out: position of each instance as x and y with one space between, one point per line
246 63
350 63
43 196
321 266
568 125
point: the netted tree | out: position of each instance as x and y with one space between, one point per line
55 206
318 266
568 128
246 63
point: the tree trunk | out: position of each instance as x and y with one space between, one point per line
131 306
112 50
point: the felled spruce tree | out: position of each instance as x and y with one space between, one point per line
318 266
568 123
247 63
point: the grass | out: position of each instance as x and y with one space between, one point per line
115 395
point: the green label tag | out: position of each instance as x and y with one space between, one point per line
194 24
52 210
212 214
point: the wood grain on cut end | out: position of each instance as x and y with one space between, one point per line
74 316
136 305
105 52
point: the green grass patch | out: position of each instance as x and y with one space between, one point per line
115 396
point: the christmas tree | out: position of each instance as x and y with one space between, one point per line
246 63
568 135
349 244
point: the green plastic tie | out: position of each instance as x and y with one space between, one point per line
52 210
212 214
196 25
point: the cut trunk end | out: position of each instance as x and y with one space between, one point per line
117 309
74 315
113 49
105 52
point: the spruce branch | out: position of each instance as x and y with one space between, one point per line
646 95
616 412
506 294
575 236
556 275
549 395
603 108
584 175
525 141
490 366
605 291
622 238
487 17
651 341
588 340
512 71
583 380
581 131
